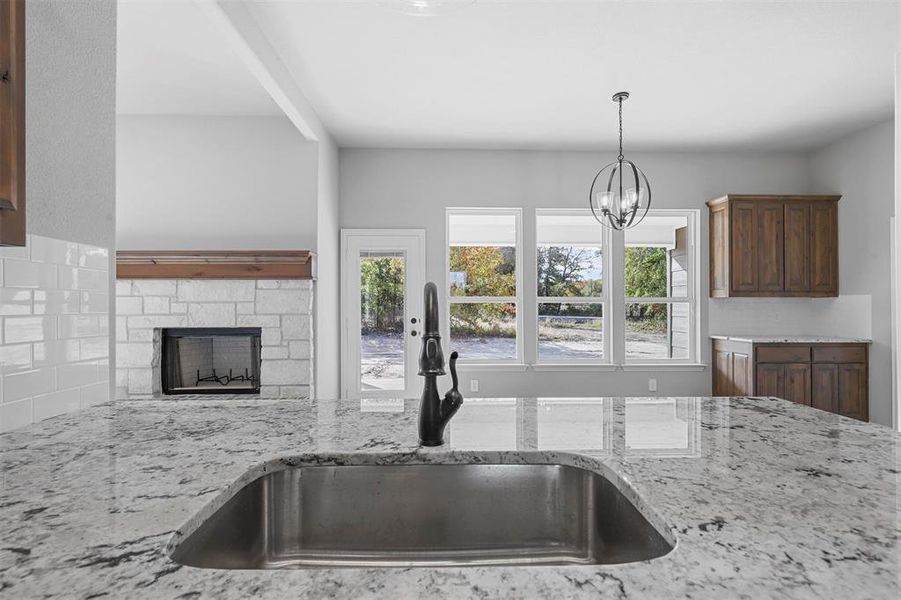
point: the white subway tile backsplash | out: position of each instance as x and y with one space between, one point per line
54 306
15 414
94 348
56 302
56 352
15 302
97 393
16 357
23 274
93 257
49 250
76 374
83 279
28 329
56 403
94 302
26 384
79 326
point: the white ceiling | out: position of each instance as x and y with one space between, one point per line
539 74
172 60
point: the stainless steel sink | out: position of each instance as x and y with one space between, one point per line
423 515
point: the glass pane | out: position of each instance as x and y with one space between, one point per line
382 277
657 257
570 271
483 331
570 331
657 331
482 254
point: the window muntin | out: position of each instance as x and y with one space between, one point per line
484 284
659 316
571 296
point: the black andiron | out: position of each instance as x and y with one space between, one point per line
434 412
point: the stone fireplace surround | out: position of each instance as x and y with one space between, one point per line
281 308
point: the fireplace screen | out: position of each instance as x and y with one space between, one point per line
211 360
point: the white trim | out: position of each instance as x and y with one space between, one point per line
412 243
574 366
516 300
466 367
667 366
896 259
604 244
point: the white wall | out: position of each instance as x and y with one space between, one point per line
214 183
861 168
411 188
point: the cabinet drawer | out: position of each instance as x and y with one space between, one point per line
839 354
783 354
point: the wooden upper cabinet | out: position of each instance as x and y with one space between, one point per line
12 123
797 246
773 246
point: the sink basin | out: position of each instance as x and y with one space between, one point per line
423 515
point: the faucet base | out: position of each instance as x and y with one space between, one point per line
431 443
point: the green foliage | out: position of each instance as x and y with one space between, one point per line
488 271
645 276
382 294
483 271
562 271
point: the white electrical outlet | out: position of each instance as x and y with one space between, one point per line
473 385
652 385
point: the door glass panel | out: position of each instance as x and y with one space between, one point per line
382 278
657 330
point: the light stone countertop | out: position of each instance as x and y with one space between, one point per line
792 339
766 498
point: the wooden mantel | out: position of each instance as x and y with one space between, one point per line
214 264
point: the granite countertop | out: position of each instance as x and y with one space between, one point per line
765 498
792 339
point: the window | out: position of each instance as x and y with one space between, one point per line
659 316
570 282
484 284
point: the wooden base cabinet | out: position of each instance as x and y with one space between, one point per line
827 376
769 246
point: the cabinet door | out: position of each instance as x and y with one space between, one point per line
743 246
824 390
771 380
770 246
852 391
797 383
741 374
824 247
722 373
719 251
797 246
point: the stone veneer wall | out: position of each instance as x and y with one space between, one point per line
282 309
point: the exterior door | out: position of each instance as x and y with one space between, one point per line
383 273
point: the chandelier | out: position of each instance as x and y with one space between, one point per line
620 194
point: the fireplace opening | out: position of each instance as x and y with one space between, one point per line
220 360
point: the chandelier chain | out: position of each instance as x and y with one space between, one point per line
620 158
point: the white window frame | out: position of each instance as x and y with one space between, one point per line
516 300
603 299
693 292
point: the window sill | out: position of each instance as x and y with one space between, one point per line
581 367
665 367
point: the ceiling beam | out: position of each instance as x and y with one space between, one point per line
242 31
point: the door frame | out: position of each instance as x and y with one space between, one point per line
349 303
